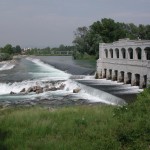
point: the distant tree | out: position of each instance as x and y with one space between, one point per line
18 49
80 39
8 49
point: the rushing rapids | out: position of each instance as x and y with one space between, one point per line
54 87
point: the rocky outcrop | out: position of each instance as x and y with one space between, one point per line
53 86
77 90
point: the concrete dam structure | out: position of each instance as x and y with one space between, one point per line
126 61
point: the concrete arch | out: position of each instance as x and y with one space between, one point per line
130 52
106 53
104 73
147 53
111 53
115 75
121 76
138 53
117 52
123 52
137 80
129 78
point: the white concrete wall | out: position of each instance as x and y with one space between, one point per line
134 66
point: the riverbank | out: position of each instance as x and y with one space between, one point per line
78 127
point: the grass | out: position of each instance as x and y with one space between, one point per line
78 128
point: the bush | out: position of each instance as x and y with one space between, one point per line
133 131
5 56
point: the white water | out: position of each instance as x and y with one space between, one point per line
7 65
46 73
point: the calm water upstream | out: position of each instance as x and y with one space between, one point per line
53 71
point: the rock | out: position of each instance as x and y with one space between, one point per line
62 86
30 90
47 86
35 88
38 91
77 90
53 89
23 90
12 93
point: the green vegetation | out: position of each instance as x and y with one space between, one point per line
61 50
8 51
80 127
87 39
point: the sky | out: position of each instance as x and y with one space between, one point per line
42 23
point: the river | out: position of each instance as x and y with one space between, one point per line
54 71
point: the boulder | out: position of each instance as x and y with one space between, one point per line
77 90
53 89
23 90
30 89
62 86
12 93
38 91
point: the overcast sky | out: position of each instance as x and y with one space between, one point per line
41 23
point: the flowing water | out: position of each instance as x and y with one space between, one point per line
40 71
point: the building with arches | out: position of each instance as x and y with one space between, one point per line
125 61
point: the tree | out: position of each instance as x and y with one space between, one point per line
18 49
8 49
80 39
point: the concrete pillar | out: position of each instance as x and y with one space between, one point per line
119 77
142 82
143 54
120 54
134 53
108 74
99 75
133 80
126 79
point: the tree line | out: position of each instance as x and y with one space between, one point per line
8 51
51 51
87 39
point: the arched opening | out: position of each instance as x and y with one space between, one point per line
104 74
117 52
129 76
115 77
137 80
121 77
139 53
110 74
106 53
123 51
145 81
130 51
111 53
147 53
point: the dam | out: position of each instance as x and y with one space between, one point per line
126 61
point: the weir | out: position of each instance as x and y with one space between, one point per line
126 61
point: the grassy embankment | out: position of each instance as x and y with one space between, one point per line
80 127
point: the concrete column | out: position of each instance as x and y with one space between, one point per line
133 80
108 74
142 82
119 77
134 53
120 54
143 54
126 79
100 74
